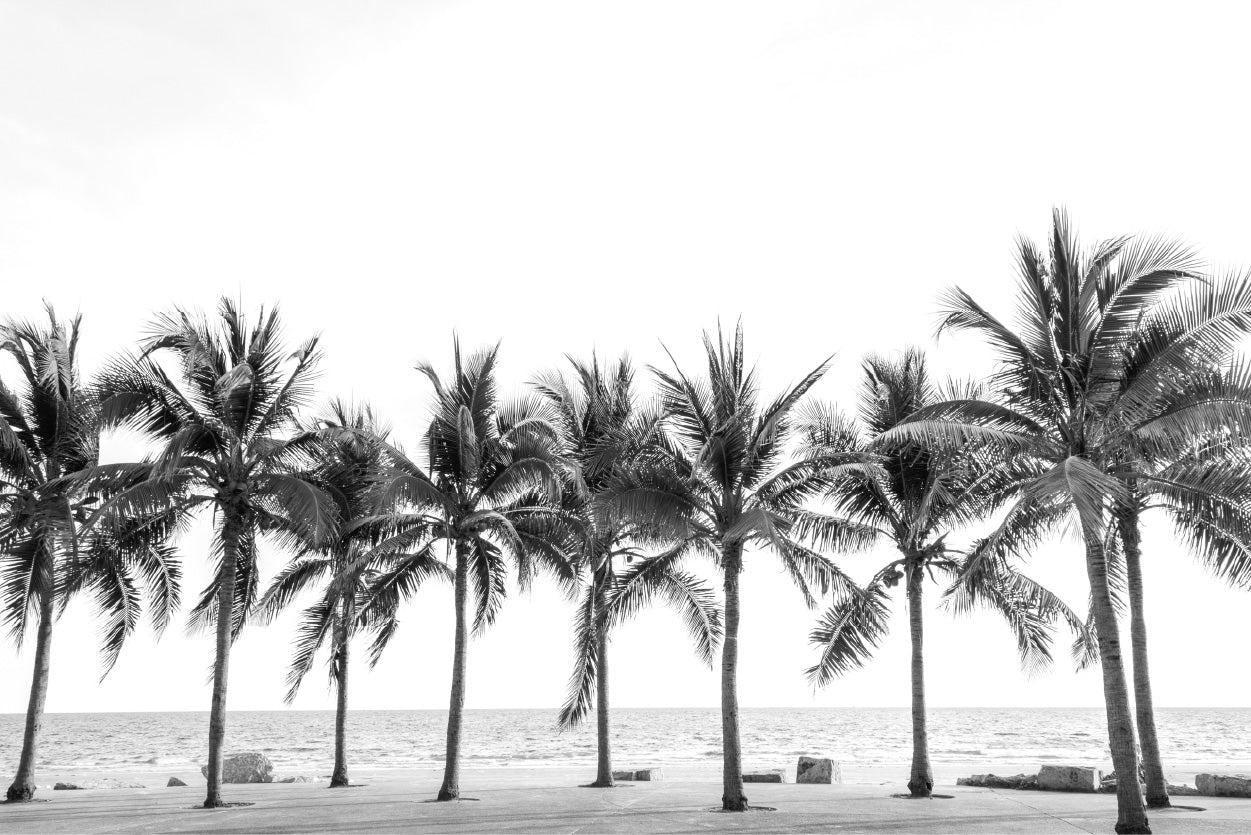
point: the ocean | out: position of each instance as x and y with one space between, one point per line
300 742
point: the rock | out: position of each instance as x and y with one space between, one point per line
1068 778
642 775
818 770
107 783
66 787
174 781
297 779
1181 791
1223 785
768 775
245 768
994 781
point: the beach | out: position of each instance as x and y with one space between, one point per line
533 800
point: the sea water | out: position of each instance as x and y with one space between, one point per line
302 741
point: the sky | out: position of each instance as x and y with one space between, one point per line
574 176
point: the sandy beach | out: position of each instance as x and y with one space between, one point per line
550 800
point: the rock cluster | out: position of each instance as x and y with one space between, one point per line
994 781
245 768
768 775
642 775
818 770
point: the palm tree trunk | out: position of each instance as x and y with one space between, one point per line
732 798
339 777
232 530
1131 811
603 730
23 787
450 790
921 779
1153 765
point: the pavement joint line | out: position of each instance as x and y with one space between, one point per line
1020 802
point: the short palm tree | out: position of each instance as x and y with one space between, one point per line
225 434
913 500
725 482
489 493
350 455
1065 405
601 428
49 435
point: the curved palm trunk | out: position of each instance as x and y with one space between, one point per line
921 779
339 777
23 787
1131 812
1153 765
450 790
603 730
732 798
231 533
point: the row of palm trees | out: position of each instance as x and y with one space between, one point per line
1117 390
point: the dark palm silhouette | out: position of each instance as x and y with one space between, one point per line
490 492
724 481
602 428
49 436
224 430
913 500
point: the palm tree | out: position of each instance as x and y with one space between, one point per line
352 453
488 494
222 430
1200 481
913 500
1066 405
724 481
601 428
49 435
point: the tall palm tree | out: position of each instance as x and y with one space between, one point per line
913 501
351 455
1200 481
1065 405
602 427
225 434
725 481
49 435
488 494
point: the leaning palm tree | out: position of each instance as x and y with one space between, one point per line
913 501
602 427
349 457
49 435
224 430
1065 406
724 481
488 493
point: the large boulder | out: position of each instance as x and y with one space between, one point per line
768 775
1223 785
174 781
245 768
66 787
1068 778
645 775
818 770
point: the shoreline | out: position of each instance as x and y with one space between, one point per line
529 800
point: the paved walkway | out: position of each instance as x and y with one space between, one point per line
549 801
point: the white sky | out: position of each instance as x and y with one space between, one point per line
569 176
